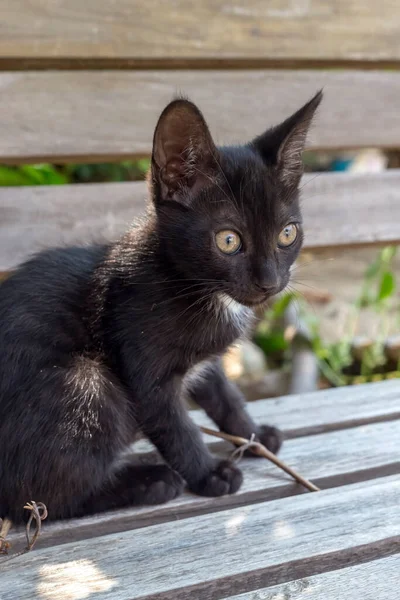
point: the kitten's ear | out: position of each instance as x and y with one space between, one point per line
282 146
183 158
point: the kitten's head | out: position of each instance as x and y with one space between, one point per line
229 217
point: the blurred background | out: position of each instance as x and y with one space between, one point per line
81 86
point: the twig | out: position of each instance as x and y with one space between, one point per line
38 514
5 528
261 450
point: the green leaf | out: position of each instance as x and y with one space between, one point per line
10 176
272 343
387 286
52 176
31 175
281 305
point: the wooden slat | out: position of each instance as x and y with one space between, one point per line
329 460
339 210
32 219
213 29
375 580
217 555
63 116
325 410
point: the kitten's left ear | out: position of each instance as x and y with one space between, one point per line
282 146
184 153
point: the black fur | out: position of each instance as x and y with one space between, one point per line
98 343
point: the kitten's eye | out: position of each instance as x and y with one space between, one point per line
287 236
228 242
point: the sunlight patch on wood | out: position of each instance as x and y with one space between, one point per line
73 580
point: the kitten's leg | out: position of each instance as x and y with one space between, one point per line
164 420
67 426
136 485
226 406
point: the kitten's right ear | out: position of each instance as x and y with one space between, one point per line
281 147
184 154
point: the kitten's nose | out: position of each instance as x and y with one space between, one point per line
266 278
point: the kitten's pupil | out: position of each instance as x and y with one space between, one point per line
288 235
228 242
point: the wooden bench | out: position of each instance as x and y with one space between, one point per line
85 81
268 534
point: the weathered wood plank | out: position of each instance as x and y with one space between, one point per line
217 555
32 219
325 410
212 29
299 415
372 581
339 210
329 460
64 116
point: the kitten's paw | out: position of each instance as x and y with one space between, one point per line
270 437
224 478
162 485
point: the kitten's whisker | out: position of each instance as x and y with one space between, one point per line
227 182
212 179
167 300
179 297
202 298
311 262
196 314
309 181
206 306
163 281
296 300
311 287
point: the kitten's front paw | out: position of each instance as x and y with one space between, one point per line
270 437
160 484
224 478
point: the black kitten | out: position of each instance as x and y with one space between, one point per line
99 343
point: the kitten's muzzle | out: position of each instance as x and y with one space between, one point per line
261 293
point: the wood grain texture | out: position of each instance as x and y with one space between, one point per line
217 555
338 210
33 219
375 580
212 29
329 460
95 115
325 410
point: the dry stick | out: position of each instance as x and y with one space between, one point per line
261 450
5 528
38 514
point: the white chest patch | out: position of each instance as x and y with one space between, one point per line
235 312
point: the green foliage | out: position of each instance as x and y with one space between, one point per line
270 336
379 283
387 286
31 175
109 172
336 361
73 173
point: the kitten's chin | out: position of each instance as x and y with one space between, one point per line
257 302
254 304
